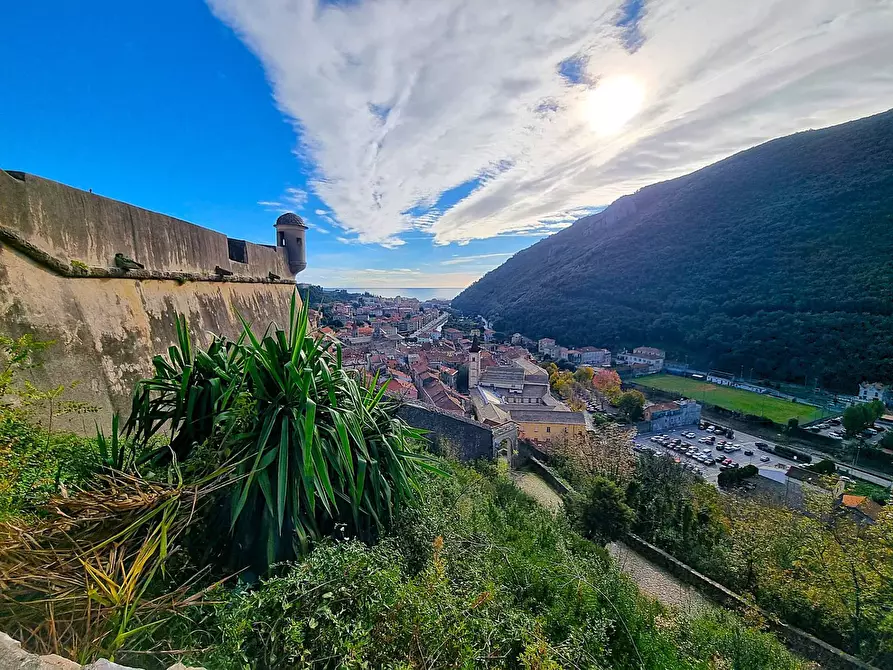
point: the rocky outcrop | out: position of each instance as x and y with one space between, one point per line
13 657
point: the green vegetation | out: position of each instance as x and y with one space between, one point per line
823 467
820 570
776 259
477 575
857 418
135 559
631 404
601 513
735 476
732 399
270 447
35 460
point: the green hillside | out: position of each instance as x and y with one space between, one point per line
779 259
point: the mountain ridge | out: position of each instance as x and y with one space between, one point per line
771 258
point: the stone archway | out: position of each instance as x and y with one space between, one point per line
505 442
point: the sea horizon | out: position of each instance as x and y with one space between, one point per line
403 292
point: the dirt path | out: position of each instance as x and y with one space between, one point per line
652 579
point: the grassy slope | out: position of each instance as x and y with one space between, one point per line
736 400
478 576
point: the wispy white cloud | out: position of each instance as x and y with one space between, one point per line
400 101
463 260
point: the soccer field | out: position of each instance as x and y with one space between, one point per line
736 400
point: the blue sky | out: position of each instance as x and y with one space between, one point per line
423 142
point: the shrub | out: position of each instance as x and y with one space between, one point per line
601 514
502 583
823 467
311 450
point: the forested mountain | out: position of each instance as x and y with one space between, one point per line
779 258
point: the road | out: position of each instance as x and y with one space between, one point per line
437 323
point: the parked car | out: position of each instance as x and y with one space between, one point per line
764 459
748 452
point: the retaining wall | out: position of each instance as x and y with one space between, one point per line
795 639
450 434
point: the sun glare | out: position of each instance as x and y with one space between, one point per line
613 102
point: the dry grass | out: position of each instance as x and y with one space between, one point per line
76 581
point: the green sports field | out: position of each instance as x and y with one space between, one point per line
736 400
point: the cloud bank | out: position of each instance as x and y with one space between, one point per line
473 119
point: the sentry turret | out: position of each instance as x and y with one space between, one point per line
291 236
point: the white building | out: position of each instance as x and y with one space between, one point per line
547 347
653 358
474 364
595 357
869 391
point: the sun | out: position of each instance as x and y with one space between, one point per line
613 103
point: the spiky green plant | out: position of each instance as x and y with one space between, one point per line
188 396
314 451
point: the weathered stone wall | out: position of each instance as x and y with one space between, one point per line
107 330
13 657
449 434
70 224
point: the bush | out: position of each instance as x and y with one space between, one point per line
35 463
310 451
601 514
734 476
823 467
502 583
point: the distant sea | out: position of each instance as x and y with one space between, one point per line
420 293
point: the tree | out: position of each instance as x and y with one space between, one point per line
631 405
462 379
793 424
823 467
606 451
584 374
602 514
734 476
607 382
857 418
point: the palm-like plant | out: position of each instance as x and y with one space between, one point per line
312 450
189 394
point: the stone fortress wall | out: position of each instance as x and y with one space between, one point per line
107 324
70 224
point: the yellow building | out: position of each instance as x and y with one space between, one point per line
545 425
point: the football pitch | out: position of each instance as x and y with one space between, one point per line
736 400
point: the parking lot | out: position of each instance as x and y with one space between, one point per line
744 451
832 428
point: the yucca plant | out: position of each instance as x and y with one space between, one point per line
188 396
313 451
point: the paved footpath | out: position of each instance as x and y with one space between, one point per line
655 581
534 486
650 578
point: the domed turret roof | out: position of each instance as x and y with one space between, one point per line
290 219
